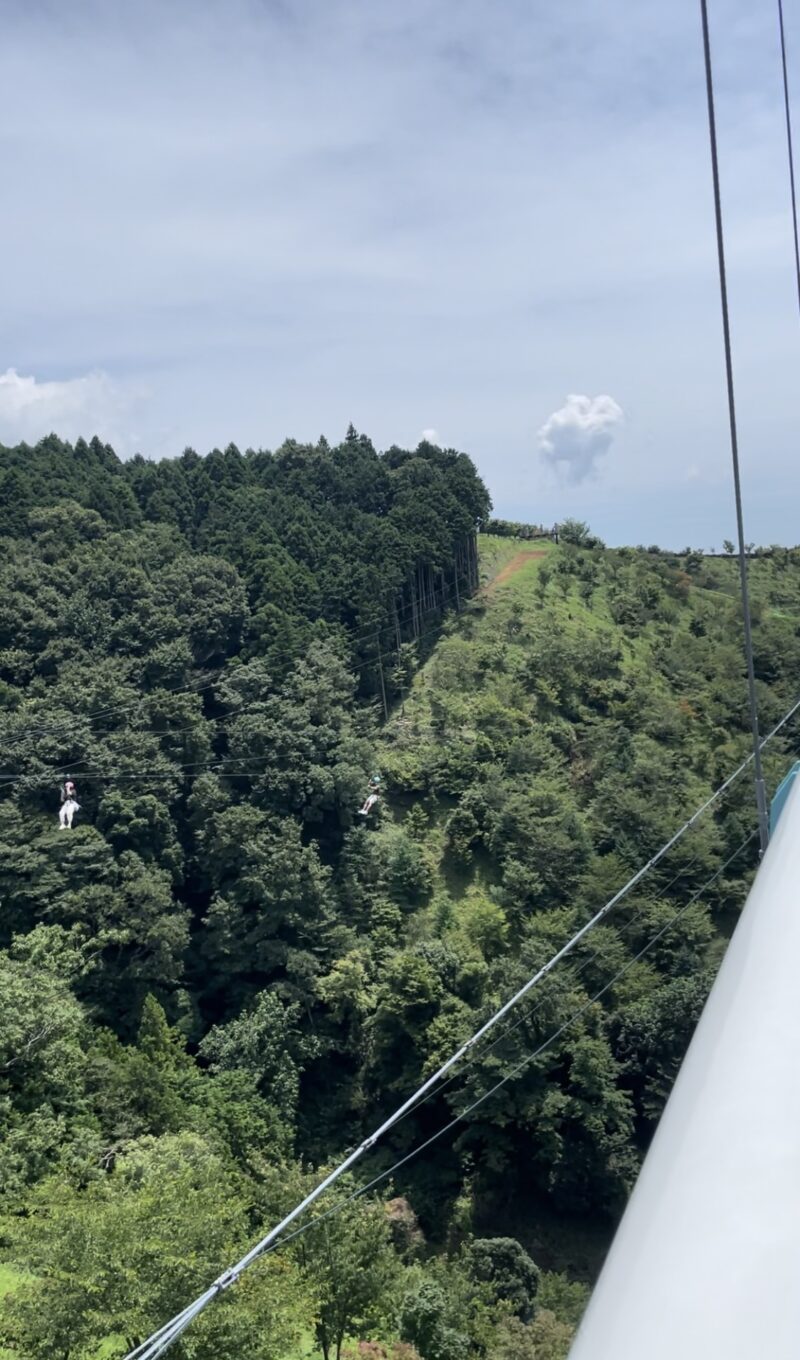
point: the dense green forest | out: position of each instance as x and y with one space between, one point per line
222 977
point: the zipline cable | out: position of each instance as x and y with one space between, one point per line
219 763
450 592
190 688
39 777
159 1342
761 796
58 726
789 148
198 729
8 777
354 640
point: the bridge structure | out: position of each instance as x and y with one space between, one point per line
706 1262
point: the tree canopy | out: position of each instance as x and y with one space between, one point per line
222 977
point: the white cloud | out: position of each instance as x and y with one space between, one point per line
430 436
88 405
575 436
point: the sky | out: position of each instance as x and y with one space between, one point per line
491 222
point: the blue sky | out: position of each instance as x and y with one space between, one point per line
261 218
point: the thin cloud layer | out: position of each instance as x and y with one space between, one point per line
578 434
76 407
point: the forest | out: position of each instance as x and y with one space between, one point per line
222 977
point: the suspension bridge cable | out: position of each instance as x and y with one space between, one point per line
789 148
159 1342
527 1016
761 797
529 1058
231 1275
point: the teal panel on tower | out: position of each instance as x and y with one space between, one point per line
781 794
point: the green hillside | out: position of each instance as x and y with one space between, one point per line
582 706
222 977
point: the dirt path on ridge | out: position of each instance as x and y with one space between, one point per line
511 568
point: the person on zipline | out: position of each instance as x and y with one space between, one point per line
368 805
69 805
68 809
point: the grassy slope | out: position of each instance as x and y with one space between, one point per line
410 724
775 597
10 1279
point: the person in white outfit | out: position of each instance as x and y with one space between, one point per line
368 806
68 809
